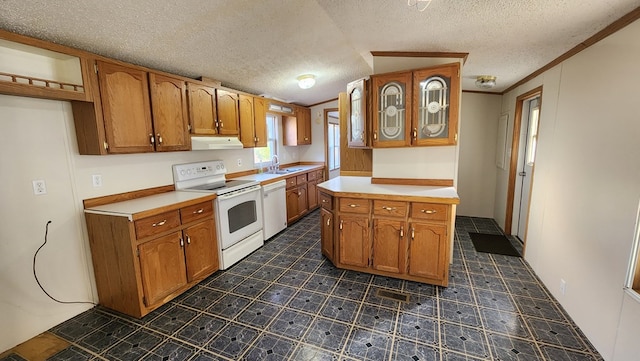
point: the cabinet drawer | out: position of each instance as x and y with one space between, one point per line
301 179
312 176
291 182
431 211
389 208
326 201
156 224
196 211
354 205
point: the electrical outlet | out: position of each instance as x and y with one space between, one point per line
563 286
239 162
39 187
96 180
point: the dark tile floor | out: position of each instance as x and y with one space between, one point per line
286 302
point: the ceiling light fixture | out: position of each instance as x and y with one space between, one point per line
306 81
421 5
486 81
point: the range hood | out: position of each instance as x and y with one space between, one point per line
207 143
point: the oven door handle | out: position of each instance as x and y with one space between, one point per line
239 193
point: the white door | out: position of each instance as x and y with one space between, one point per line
530 119
333 144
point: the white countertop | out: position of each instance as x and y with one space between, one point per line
270 177
362 185
138 205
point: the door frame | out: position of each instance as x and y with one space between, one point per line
326 137
513 162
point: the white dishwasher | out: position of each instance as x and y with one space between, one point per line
274 208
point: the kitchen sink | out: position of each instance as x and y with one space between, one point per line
285 171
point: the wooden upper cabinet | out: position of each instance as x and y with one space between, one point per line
202 109
391 109
304 125
412 108
126 108
358 127
253 121
436 98
169 107
260 106
247 117
297 129
228 117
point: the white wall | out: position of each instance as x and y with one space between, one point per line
477 166
38 142
316 151
585 188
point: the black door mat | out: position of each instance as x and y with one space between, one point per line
493 243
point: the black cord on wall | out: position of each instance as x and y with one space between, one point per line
46 232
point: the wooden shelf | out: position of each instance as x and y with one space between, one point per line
29 86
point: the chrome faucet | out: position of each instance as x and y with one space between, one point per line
275 163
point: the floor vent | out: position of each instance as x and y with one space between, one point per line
396 296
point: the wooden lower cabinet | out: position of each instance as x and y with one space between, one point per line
302 194
140 265
354 241
326 233
200 253
162 267
296 203
427 243
389 245
401 239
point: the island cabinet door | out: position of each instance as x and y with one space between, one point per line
389 245
201 250
354 243
162 266
326 233
427 255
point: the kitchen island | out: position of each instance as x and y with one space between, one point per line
400 231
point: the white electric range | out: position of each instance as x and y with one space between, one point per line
238 207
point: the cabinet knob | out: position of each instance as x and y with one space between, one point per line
354 205
188 239
221 124
401 231
161 223
299 193
428 211
413 233
305 138
415 133
341 224
199 211
375 136
181 242
328 221
151 139
159 138
389 208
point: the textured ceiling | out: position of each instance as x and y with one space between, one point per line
262 46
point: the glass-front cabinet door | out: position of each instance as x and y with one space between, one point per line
391 109
436 103
357 126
